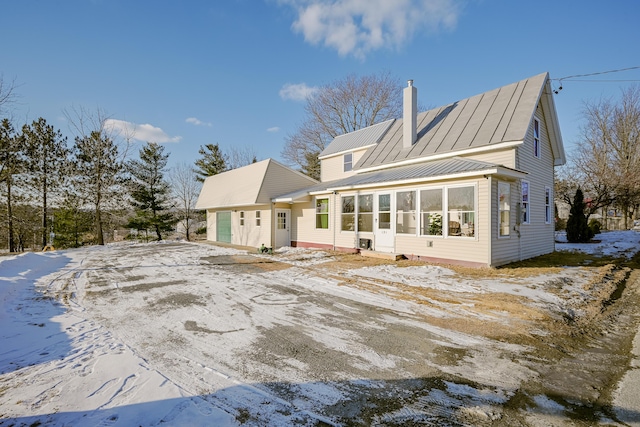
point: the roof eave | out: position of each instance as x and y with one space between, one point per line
497 170
485 148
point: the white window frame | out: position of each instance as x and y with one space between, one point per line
525 200
318 212
504 230
258 218
347 162
241 218
547 205
360 215
352 214
536 138
422 213
411 214
448 212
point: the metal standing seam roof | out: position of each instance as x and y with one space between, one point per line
424 171
357 139
500 115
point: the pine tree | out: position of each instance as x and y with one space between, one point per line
11 164
577 229
46 164
212 162
98 174
150 192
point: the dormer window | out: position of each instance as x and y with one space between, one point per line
348 162
536 138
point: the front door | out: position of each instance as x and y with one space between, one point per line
383 226
283 234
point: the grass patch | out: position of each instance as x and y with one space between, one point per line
564 259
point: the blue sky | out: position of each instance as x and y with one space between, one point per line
235 72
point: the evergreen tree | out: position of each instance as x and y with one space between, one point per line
98 174
11 163
46 164
150 192
212 162
577 229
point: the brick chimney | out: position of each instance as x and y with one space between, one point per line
410 115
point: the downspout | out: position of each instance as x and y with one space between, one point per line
273 225
335 222
491 205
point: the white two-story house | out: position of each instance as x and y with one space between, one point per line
467 183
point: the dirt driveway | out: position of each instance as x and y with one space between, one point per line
318 338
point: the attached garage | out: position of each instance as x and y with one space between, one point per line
239 204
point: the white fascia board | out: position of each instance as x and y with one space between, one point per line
240 205
492 147
351 150
493 171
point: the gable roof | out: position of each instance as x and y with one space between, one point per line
486 121
254 184
452 168
358 139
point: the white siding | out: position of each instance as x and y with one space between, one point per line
249 234
211 225
537 238
505 249
332 168
503 157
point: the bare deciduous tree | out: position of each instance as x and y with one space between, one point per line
240 156
186 188
607 158
338 108
7 94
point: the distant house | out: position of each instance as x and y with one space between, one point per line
468 183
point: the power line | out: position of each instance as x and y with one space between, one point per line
598 73
576 77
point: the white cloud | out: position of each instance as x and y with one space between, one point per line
144 132
297 91
197 122
357 27
273 129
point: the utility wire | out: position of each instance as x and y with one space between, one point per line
597 74
576 77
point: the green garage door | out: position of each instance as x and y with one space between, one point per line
223 227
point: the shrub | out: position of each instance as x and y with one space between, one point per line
577 229
594 226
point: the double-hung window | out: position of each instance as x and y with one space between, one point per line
348 162
431 212
547 205
536 138
322 213
504 208
525 202
258 219
242 219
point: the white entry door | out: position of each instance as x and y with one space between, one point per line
383 224
283 233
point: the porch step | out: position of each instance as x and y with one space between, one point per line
381 255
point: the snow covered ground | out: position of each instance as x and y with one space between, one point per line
195 334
